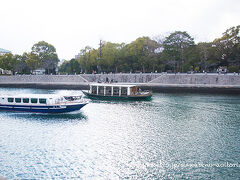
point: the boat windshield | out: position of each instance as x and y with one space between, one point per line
72 98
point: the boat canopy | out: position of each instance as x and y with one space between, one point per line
113 89
112 85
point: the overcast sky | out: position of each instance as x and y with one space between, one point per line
70 25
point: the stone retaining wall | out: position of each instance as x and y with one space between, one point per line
208 79
42 79
124 78
151 79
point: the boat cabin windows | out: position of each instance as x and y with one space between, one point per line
108 90
18 100
42 101
113 90
101 90
10 99
34 100
25 100
116 91
124 91
94 89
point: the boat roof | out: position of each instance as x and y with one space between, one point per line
32 96
112 85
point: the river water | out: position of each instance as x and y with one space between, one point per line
171 136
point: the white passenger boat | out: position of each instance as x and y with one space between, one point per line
117 92
41 103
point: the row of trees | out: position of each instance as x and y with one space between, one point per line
175 53
42 56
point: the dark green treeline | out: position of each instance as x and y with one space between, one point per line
177 52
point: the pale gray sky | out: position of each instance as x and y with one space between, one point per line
70 25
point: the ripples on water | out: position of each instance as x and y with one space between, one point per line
116 140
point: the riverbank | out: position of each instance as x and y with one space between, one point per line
158 82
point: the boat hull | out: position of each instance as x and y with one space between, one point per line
42 109
101 97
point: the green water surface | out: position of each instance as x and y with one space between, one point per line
173 136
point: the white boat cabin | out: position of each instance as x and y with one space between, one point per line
113 89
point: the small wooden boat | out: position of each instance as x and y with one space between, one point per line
41 103
117 92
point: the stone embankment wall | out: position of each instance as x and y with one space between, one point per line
160 82
163 78
203 79
83 78
42 79
122 77
159 78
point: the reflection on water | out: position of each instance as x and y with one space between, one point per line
124 140
48 117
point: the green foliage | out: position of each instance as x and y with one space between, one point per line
232 69
174 53
7 61
70 67
46 55
205 52
43 55
32 61
142 54
111 56
176 46
227 47
87 60
21 66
